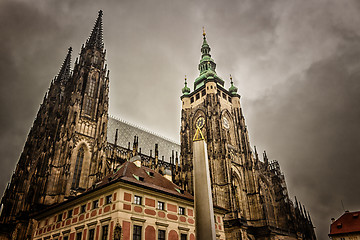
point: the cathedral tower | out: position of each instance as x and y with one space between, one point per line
217 111
253 192
64 152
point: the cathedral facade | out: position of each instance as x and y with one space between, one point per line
74 143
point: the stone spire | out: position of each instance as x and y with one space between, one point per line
96 37
64 73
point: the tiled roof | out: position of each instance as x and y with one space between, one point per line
147 140
349 222
145 177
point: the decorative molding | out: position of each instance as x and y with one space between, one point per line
138 219
162 224
105 219
80 227
183 228
65 232
91 223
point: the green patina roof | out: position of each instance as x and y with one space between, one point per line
232 89
207 68
186 89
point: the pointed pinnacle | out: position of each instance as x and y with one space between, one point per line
96 36
64 73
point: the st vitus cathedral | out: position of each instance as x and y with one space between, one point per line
74 143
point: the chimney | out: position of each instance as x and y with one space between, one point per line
167 174
136 160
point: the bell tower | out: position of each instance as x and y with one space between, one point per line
217 112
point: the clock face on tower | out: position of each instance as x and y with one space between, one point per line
226 123
200 122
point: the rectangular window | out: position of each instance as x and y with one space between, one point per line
229 99
224 95
70 212
137 232
59 217
108 199
83 208
92 234
137 200
105 231
183 236
79 236
161 235
95 204
197 96
192 99
160 205
181 211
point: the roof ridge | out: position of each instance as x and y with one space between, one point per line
144 129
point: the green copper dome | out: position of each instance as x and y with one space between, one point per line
186 89
232 89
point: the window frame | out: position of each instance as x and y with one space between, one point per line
181 210
95 204
77 235
163 231
59 218
162 204
108 199
183 235
69 214
138 235
82 208
104 237
93 236
137 200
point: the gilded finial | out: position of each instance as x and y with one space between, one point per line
231 79
204 33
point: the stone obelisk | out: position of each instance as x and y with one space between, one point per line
204 212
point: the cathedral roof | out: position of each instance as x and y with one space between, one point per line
349 222
144 177
147 140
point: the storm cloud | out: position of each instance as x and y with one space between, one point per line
296 64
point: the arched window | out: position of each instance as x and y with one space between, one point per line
78 166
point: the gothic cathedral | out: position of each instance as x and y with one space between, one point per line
69 148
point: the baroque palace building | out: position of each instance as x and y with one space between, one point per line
84 174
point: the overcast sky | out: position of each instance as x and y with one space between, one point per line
296 64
